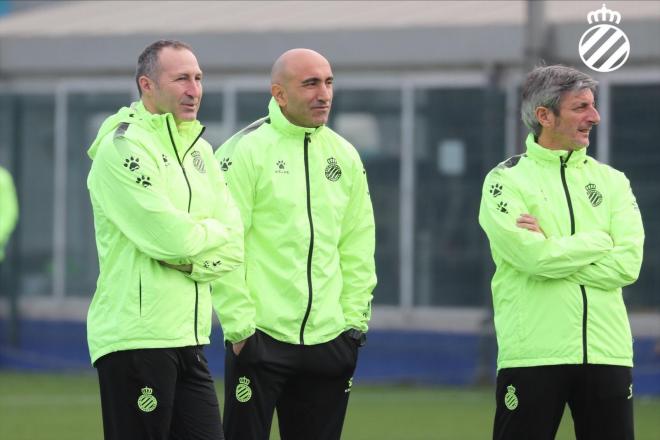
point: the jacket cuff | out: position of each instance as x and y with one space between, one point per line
238 336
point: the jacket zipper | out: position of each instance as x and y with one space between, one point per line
196 310
582 288
140 290
180 160
311 243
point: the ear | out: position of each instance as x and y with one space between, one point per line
545 116
279 94
145 84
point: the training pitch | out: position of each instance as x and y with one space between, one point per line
67 407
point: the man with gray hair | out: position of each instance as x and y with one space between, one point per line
566 235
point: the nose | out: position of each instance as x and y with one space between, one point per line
325 93
194 89
594 117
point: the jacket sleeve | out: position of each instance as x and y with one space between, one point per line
211 265
356 253
127 183
620 266
231 297
8 208
526 251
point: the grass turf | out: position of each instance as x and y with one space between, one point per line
57 407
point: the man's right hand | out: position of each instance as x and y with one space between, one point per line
238 346
529 222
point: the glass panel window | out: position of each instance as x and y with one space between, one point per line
371 121
211 116
26 144
250 107
634 131
86 113
459 137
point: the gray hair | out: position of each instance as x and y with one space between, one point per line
148 60
544 87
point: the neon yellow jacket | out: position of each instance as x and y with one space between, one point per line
8 209
158 195
558 299
309 234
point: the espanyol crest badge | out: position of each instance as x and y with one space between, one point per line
332 171
604 47
198 162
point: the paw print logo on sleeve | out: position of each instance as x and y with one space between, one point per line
502 207
132 163
496 190
225 163
143 180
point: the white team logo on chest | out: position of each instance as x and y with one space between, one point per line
198 162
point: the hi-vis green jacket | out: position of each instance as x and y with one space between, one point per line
309 234
8 209
158 195
557 298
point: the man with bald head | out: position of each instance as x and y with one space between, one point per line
295 314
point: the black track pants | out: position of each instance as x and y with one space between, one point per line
158 394
531 401
309 385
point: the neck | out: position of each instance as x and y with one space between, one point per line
151 108
552 143
297 124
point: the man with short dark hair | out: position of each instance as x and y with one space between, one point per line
166 227
295 314
566 235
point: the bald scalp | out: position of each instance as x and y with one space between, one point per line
291 61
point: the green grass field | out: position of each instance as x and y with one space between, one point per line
67 407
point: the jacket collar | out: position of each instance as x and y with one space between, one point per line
281 123
541 154
137 114
158 121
